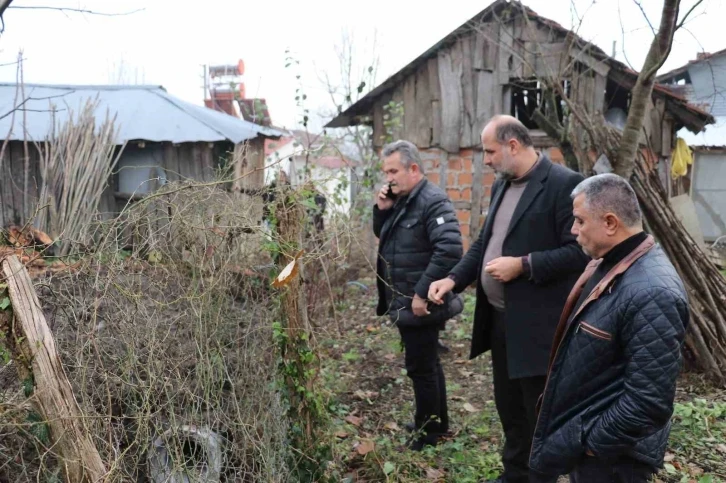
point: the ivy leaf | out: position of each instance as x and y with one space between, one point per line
388 467
4 303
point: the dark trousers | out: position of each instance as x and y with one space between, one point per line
424 369
515 400
623 470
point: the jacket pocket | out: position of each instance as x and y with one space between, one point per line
594 331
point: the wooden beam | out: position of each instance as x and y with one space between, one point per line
52 392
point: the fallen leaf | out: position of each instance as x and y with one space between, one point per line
669 457
456 398
341 434
721 448
388 467
468 407
392 426
390 357
461 361
354 420
434 474
365 447
465 373
365 395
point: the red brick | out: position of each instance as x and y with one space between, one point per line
463 216
455 164
454 195
556 155
466 153
466 194
433 177
451 180
466 244
466 179
464 229
468 163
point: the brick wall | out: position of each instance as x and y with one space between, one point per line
458 175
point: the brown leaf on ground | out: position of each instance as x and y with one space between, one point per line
354 420
469 408
341 434
392 426
435 475
365 447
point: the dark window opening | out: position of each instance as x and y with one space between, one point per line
527 95
616 96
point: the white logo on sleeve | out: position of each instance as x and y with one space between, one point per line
440 220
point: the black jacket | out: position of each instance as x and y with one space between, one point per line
614 365
419 242
540 226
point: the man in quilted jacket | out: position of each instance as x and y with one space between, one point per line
606 408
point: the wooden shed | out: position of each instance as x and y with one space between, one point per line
166 139
495 64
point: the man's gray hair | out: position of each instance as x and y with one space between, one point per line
609 193
408 151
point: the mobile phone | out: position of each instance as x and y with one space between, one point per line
389 193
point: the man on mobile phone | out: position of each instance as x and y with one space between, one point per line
419 242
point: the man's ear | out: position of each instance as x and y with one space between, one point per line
612 223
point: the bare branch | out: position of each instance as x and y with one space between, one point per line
645 16
688 13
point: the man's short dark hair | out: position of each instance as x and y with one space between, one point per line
508 128
407 150
610 193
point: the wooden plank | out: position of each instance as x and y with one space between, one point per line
599 66
6 197
667 136
16 176
208 160
656 121
550 58
469 137
52 392
536 32
379 129
409 107
477 193
423 124
451 98
487 89
435 90
598 94
505 53
397 128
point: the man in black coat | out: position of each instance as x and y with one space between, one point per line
524 263
419 242
605 413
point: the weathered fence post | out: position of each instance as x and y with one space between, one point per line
37 360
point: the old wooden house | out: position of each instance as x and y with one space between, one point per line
165 138
495 64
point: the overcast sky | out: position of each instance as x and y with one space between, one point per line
166 42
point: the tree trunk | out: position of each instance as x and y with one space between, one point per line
624 163
34 351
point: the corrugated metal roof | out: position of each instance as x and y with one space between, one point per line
143 113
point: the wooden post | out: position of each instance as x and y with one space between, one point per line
33 343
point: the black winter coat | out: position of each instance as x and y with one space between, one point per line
614 365
540 226
419 243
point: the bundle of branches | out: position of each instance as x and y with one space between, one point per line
706 339
75 164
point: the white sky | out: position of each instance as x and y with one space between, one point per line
169 40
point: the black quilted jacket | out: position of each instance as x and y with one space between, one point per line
613 369
420 242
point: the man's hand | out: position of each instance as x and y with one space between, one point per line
504 269
439 288
383 202
419 306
